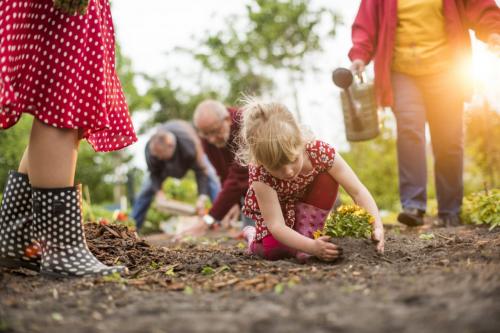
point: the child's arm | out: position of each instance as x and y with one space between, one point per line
273 219
346 178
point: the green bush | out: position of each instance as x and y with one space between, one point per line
482 208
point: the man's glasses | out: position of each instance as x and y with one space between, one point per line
205 134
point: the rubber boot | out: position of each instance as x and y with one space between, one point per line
17 248
58 227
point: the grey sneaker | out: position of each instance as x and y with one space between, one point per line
412 217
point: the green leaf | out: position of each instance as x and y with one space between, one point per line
428 236
279 288
188 290
207 270
57 316
170 272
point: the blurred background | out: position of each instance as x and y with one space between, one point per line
173 54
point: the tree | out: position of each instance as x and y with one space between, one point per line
275 35
166 102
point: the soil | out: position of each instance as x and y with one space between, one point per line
450 282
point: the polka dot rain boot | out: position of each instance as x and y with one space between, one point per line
58 225
17 248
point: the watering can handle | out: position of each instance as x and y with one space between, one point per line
360 77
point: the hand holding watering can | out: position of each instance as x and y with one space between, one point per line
358 102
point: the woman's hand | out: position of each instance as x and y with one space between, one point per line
72 7
325 250
358 66
378 237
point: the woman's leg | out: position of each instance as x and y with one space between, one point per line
23 165
445 115
57 212
409 109
52 156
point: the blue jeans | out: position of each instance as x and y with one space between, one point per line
147 194
435 99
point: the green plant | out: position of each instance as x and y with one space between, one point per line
429 236
482 208
347 221
207 270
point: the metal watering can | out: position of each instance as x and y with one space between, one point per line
358 105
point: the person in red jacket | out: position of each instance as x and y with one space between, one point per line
422 50
218 128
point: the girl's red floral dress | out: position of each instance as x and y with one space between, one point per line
321 155
61 69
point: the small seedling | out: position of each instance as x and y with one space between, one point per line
279 288
115 278
207 270
170 272
57 316
188 290
154 265
428 236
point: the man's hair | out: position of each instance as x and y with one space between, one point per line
211 107
160 137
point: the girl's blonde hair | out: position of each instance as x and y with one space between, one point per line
269 134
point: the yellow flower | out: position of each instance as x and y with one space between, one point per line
317 234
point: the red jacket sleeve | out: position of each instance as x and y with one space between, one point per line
482 16
233 189
365 31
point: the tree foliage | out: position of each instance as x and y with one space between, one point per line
482 144
272 35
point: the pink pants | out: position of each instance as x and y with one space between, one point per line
310 214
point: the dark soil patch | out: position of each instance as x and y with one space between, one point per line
448 283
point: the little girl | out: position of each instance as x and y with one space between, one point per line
293 183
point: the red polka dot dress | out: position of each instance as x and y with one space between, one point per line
321 155
61 69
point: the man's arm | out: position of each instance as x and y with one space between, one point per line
233 188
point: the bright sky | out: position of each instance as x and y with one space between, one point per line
147 30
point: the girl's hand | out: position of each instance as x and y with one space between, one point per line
325 250
72 7
378 237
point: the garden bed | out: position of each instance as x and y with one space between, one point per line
446 280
